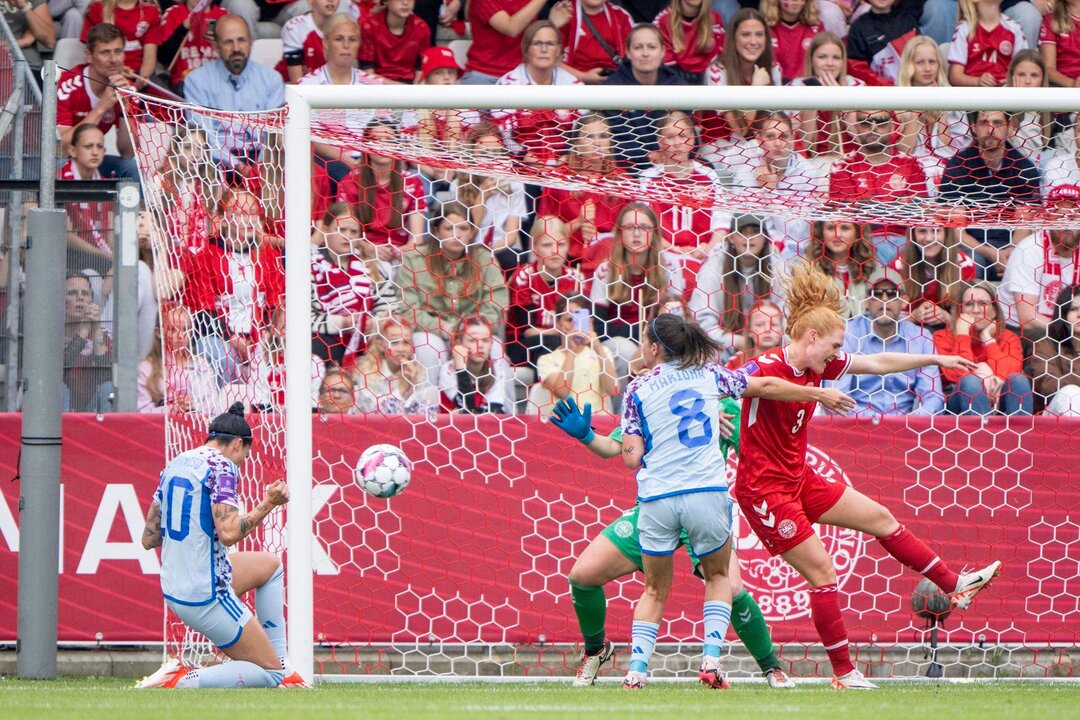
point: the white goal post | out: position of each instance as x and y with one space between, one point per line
302 100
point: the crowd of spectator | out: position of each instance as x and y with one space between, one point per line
454 291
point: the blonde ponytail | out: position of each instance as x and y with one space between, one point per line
814 301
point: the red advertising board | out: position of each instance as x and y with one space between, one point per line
478 547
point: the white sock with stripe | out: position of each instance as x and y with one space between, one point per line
642 643
717 619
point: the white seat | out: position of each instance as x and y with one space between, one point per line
110 142
267 51
69 52
460 48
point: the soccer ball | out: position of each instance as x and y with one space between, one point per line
383 471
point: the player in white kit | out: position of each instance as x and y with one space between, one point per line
194 518
669 431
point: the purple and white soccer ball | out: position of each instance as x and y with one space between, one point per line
383 471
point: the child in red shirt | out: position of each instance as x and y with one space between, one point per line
586 26
792 24
1059 43
693 37
392 39
983 45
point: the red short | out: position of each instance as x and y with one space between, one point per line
784 517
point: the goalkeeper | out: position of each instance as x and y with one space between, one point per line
615 553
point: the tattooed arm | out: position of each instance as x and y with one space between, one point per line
633 449
232 527
151 534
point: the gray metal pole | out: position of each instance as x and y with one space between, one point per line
39 497
126 297
49 140
11 361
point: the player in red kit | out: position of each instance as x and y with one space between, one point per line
781 496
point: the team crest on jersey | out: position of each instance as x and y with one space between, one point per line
141 28
780 591
624 528
1005 48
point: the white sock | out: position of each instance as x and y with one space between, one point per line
235 674
717 618
643 640
270 609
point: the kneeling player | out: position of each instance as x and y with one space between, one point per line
195 516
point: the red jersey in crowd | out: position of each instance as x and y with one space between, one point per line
629 311
301 44
236 288
900 178
195 49
533 298
774 438
582 51
570 205
540 134
854 179
790 42
393 56
75 100
989 51
689 59
91 221
683 225
1067 44
141 26
187 217
378 232
343 290
491 52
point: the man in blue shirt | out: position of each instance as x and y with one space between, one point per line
880 330
232 83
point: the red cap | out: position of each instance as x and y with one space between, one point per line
437 58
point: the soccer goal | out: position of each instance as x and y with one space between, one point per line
465 573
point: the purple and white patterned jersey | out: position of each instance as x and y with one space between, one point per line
194 563
677 413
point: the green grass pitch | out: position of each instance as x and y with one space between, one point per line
112 699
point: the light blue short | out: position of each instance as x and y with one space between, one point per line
221 620
705 516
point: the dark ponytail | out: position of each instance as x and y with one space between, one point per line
683 342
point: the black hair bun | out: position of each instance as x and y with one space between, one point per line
231 423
